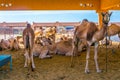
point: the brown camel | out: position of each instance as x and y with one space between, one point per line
119 42
89 31
28 38
114 29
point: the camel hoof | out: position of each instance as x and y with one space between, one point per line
71 65
25 66
50 57
33 69
99 71
28 74
33 66
87 71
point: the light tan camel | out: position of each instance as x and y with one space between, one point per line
13 44
89 31
41 51
51 33
44 48
41 47
39 33
4 44
28 38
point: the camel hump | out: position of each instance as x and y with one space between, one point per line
92 28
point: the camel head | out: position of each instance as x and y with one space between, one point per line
106 17
46 41
28 25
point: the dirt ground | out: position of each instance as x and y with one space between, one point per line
58 67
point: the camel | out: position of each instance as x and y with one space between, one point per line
4 44
41 48
119 42
38 33
11 44
46 47
14 45
51 33
28 39
89 31
113 29
19 39
63 47
41 51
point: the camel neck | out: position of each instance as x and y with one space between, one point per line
104 29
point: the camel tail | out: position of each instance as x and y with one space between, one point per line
27 42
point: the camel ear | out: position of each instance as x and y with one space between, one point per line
102 13
110 13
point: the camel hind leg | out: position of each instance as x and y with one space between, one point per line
74 49
31 61
31 52
26 58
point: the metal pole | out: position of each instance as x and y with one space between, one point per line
106 49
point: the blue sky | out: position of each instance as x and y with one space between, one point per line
46 16
53 16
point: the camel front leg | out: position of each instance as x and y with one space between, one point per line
96 57
44 54
72 56
74 50
87 59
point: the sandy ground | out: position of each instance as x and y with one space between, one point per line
58 68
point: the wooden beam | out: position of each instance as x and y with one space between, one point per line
100 20
50 4
116 8
109 4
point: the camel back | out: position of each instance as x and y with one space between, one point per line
92 28
86 27
113 29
